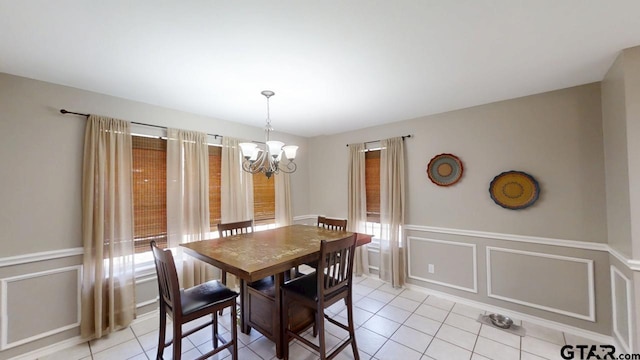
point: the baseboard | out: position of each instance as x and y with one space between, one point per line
51 349
597 337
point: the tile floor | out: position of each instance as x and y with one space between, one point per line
391 324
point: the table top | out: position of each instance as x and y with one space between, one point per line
256 255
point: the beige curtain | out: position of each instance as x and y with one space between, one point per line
108 297
392 202
357 216
236 186
188 200
284 214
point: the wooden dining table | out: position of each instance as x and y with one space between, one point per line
261 255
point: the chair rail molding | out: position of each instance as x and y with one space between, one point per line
40 256
512 237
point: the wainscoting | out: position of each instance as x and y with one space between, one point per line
39 300
622 301
561 284
554 280
434 265
34 296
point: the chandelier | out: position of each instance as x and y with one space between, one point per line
267 158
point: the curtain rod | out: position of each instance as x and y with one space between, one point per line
372 141
63 111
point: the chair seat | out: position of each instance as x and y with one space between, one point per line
306 286
204 295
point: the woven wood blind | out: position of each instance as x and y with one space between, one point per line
215 179
149 192
372 185
264 199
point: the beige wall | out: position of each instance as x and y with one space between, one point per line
614 116
555 136
41 153
41 157
621 123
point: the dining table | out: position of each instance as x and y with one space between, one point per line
262 260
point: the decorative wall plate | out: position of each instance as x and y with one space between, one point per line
444 169
514 190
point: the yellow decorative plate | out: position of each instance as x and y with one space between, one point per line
514 190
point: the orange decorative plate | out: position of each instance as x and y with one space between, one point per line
444 169
514 190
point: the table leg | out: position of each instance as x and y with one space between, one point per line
279 280
244 327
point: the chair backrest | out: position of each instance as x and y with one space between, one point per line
234 228
168 286
335 268
332 224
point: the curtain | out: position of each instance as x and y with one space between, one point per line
108 296
392 202
236 185
284 215
188 200
357 216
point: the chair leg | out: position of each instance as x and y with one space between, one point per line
352 331
177 339
320 328
223 280
215 329
234 332
162 331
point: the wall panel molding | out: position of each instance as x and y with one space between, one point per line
5 313
627 345
591 316
473 260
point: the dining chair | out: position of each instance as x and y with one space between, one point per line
330 224
186 305
230 229
332 282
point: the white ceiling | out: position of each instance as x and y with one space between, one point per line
335 65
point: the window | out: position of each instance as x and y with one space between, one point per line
149 192
372 190
372 185
215 178
264 199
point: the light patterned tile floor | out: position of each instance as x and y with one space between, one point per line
391 324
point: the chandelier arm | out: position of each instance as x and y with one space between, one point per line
248 167
288 168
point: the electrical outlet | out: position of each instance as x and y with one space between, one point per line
432 269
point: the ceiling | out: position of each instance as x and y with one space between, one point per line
334 65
